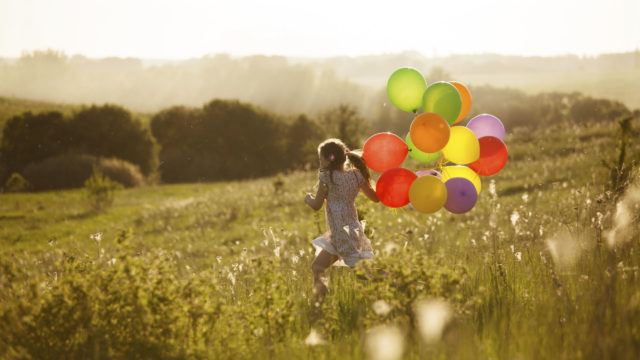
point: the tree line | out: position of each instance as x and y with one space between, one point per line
229 139
221 140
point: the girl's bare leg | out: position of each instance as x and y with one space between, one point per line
320 264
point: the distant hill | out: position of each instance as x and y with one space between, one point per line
293 85
612 76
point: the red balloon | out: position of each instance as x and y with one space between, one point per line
384 151
393 186
493 156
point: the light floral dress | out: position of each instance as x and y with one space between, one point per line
345 235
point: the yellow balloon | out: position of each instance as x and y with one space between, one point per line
463 146
427 194
459 171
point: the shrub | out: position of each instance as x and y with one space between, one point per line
29 138
72 170
101 131
100 190
122 171
223 140
16 183
111 131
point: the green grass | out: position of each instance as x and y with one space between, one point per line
221 270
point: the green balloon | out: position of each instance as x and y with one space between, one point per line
443 99
405 89
419 155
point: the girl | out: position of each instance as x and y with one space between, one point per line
339 184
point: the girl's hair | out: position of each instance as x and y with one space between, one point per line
336 152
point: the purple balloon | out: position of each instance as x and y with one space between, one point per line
461 195
431 172
486 125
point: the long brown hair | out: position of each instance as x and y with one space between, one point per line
336 152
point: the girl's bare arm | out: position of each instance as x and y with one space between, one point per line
315 202
369 191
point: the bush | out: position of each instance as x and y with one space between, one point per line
101 131
111 131
72 170
29 138
16 183
121 171
223 140
100 190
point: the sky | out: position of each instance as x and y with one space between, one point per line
159 29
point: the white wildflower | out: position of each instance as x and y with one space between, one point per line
295 259
97 237
231 277
432 316
624 219
384 342
564 248
518 255
314 338
381 307
514 218
525 197
492 189
219 259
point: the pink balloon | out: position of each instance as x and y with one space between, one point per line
486 125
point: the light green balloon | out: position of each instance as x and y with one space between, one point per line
443 99
405 89
419 155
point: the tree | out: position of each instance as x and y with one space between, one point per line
111 131
304 135
344 122
223 140
32 137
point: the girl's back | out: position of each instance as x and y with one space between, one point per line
343 186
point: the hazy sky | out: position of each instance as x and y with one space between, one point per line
192 28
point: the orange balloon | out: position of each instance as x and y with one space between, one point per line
465 95
429 132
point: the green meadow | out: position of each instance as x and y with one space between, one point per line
222 270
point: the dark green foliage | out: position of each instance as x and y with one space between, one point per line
345 123
223 140
110 131
302 142
102 131
71 170
32 137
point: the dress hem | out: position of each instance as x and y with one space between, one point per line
350 260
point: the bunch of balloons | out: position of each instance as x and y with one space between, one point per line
458 155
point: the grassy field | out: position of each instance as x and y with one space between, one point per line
222 270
